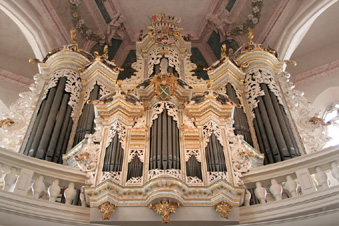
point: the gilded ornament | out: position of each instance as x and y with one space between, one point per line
6 122
223 208
106 208
81 157
292 62
316 120
34 61
223 51
165 208
250 36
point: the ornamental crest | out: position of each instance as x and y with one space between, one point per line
165 29
164 85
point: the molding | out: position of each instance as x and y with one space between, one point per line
15 79
316 73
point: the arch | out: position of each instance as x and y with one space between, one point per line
298 26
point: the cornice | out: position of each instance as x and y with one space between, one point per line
316 73
15 79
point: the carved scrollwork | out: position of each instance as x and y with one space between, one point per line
170 172
21 112
139 66
214 176
240 163
314 136
140 122
135 180
192 152
252 86
188 122
114 176
208 129
120 129
189 68
157 53
159 107
73 86
223 90
136 152
194 180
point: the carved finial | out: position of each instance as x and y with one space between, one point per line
119 84
106 208
165 208
34 61
292 62
140 35
6 122
73 36
223 208
223 51
250 36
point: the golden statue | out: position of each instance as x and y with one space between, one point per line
165 208
223 51
105 55
106 208
73 36
250 36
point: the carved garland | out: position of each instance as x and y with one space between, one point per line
73 86
252 86
157 53
159 107
156 172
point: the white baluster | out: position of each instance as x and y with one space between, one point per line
38 186
276 189
54 190
321 177
247 197
335 170
70 193
260 193
291 186
9 179
83 200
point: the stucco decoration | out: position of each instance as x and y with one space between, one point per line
314 136
21 112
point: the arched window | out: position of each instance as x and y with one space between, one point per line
332 115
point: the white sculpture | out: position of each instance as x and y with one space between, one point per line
115 27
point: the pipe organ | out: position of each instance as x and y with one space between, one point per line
162 134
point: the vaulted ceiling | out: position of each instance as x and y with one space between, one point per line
32 28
